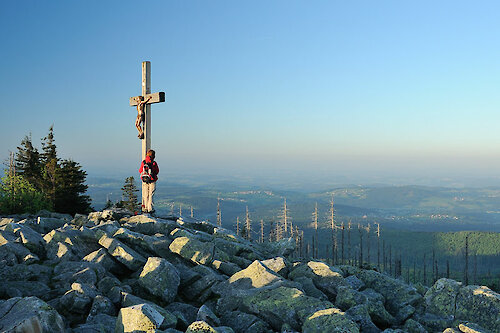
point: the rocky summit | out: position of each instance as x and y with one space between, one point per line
111 271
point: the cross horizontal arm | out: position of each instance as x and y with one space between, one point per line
158 97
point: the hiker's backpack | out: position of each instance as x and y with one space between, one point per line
147 172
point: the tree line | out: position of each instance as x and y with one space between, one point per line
363 245
36 180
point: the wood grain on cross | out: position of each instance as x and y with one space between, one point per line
154 98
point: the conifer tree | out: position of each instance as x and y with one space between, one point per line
50 165
129 191
28 162
61 183
70 189
49 146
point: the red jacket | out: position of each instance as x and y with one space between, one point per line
155 170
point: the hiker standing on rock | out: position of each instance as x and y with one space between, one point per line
149 171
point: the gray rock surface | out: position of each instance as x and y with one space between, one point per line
192 249
360 315
111 271
479 304
400 298
257 275
329 320
325 277
277 265
160 278
29 314
138 318
121 252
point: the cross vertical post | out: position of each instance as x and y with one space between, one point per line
146 99
146 89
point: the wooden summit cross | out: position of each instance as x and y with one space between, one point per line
158 97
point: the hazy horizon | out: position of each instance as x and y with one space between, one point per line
323 92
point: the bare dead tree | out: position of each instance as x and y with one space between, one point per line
425 271
433 266
343 229
368 243
384 256
298 242
378 246
475 269
349 241
331 218
237 225
315 226
414 269
437 271
360 230
262 231
466 269
248 226
313 248
301 240
397 266
285 220
219 216
278 231
390 260
180 209
192 215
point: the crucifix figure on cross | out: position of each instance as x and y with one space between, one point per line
140 115
143 104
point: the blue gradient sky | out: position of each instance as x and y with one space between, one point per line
368 88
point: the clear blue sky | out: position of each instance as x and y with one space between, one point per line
348 88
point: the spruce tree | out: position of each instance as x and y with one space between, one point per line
70 189
129 193
49 146
28 163
50 165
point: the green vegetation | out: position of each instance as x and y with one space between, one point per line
17 195
43 181
129 191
